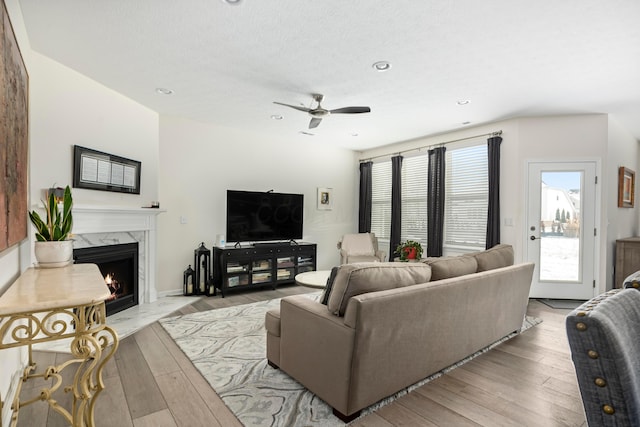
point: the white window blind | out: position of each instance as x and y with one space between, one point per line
466 196
381 199
414 199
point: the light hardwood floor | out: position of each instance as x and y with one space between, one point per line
526 381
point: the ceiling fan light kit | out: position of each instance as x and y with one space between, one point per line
318 113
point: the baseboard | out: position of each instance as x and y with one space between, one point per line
170 293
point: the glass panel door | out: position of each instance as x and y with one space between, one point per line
561 228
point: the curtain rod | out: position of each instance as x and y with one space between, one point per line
497 133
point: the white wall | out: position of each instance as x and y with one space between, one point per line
622 222
70 109
200 162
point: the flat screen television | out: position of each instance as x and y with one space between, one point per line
256 216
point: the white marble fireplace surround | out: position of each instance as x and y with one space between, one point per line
104 226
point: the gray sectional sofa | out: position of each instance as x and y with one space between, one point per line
389 325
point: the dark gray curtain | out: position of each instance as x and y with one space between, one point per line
493 217
396 204
364 213
435 201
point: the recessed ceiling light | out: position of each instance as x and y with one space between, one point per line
381 66
276 117
463 102
164 91
234 2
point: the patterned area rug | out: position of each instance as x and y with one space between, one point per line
228 347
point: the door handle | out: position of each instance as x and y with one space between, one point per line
534 238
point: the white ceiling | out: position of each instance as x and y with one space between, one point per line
227 63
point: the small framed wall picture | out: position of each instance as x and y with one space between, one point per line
626 187
325 198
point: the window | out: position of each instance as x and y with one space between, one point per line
414 199
381 199
466 197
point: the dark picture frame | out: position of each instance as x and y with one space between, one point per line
97 170
626 187
14 134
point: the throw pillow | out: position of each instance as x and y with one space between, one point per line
327 288
356 279
446 267
497 257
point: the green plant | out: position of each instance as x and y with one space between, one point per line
409 250
58 224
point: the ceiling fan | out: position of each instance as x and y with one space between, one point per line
318 113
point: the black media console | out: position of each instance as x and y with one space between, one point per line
247 267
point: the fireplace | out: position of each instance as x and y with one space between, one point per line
119 267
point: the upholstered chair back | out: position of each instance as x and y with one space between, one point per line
359 247
604 337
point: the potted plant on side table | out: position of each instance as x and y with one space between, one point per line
409 251
52 247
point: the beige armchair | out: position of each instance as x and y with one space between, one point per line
360 247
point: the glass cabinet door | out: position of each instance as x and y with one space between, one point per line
286 268
237 273
261 271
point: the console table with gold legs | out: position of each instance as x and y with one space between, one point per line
47 304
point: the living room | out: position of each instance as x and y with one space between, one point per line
187 165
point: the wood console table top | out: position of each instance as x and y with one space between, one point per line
42 289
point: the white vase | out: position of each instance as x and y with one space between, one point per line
54 254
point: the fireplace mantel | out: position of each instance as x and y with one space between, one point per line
116 219
100 219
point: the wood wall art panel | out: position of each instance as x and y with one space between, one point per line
14 137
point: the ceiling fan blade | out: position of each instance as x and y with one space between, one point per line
351 110
314 122
305 109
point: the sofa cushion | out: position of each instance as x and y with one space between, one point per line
498 256
356 279
329 285
446 267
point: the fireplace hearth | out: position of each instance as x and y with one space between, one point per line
119 267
